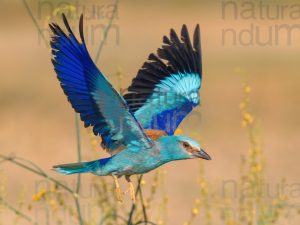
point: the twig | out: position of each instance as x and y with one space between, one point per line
16 211
111 215
31 163
106 31
40 173
35 23
143 207
133 207
145 222
78 182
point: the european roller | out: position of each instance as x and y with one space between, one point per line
137 129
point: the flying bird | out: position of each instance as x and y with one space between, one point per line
137 129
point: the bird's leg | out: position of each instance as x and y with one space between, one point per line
119 193
131 189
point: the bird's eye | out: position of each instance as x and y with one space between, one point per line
185 144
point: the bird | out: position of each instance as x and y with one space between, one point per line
136 129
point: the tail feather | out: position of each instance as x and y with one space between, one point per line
81 167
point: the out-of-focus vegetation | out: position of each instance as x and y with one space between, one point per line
247 200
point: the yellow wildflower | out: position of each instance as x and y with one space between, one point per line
247 119
38 196
53 188
247 89
209 215
53 204
195 211
197 201
160 222
143 182
203 186
242 105
256 168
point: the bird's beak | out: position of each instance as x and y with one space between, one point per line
201 154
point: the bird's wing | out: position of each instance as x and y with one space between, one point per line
90 93
167 86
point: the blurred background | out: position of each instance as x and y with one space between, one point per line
241 41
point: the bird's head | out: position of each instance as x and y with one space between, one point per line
183 147
192 148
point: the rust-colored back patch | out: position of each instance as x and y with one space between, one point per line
154 134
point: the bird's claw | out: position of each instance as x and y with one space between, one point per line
132 192
119 195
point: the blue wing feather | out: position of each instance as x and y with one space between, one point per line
163 93
169 120
91 95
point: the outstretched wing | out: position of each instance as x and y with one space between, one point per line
166 88
91 95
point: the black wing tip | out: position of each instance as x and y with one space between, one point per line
197 35
166 40
66 23
184 30
175 55
172 32
184 35
174 37
53 27
81 28
56 30
197 46
64 16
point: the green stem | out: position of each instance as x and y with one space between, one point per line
133 207
78 182
143 207
78 152
110 216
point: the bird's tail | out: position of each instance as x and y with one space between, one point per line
81 167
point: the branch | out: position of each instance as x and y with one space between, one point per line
35 23
78 182
110 216
133 207
16 211
106 31
145 222
37 171
143 207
